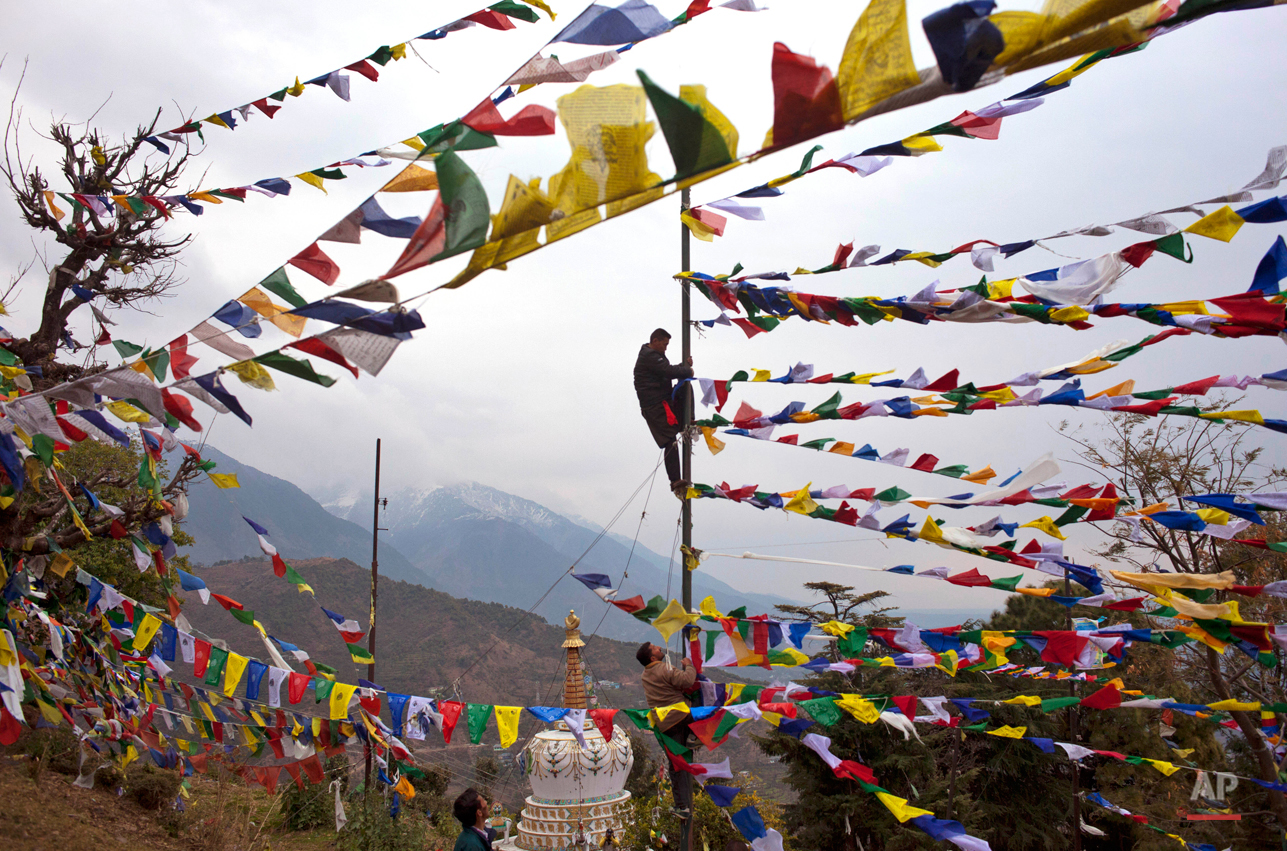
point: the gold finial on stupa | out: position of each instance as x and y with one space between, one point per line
574 683
571 627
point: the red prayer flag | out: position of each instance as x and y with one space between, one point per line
267 109
180 408
906 704
315 262
181 362
366 69
279 566
201 659
1107 697
488 18
531 120
451 710
925 463
706 728
296 685
317 348
603 719
946 382
429 240
854 771
806 101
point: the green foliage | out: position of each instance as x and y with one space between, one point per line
711 825
54 748
486 772
370 827
642 781
314 805
111 472
151 787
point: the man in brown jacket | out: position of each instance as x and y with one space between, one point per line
663 686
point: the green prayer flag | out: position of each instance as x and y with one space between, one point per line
293 366
293 577
955 471
324 689
43 446
361 655
853 643
1007 584
696 145
329 174
222 194
655 607
278 284
326 669
158 362
827 410
1174 245
126 350
1056 703
246 616
463 195
817 444
214 668
894 494
638 716
673 746
1153 395
382 56
822 709
478 714
1072 515
515 10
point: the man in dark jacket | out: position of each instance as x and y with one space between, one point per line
471 811
654 377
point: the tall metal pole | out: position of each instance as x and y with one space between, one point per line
686 826
1072 736
375 586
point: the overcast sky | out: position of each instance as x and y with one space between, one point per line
522 379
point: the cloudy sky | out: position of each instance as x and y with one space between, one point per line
522 378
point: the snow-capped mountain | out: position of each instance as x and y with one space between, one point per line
476 541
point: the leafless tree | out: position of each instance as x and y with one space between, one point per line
122 255
1160 461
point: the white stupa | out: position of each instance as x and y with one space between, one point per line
578 793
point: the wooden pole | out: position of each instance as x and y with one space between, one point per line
1072 737
375 585
686 826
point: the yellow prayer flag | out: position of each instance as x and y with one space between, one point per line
1047 525
258 301
224 480
1223 224
201 195
1036 592
1165 767
61 564
213 118
1199 634
672 618
232 671
837 628
877 60
866 377
1235 706
662 711
507 724
929 412
1008 732
543 6
253 374
921 144
1218 581
147 628
399 51
982 477
404 788
53 208
859 707
295 90
708 608
842 448
1071 313
312 180
801 503
1240 416
341 694
1214 516
127 412
929 531
413 178
713 443
699 229
900 808
1126 388
1024 700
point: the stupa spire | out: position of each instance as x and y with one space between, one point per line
574 684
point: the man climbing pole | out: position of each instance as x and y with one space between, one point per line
662 409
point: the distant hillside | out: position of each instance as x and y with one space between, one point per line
480 542
425 638
297 525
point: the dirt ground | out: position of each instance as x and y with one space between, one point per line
49 814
